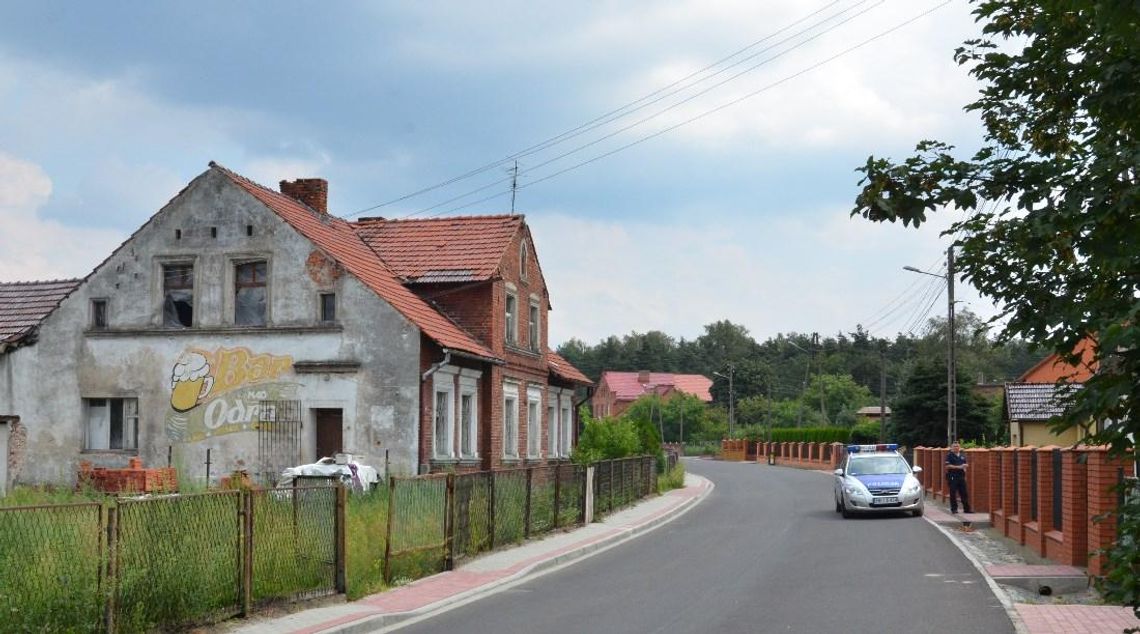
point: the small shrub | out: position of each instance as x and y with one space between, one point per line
672 479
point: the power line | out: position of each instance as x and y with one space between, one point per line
702 115
614 114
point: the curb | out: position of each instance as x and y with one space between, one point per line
383 622
999 592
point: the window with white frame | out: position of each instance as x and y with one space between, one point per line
552 435
512 316
533 423
566 427
468 415
510 420
534 331
112 424
443 438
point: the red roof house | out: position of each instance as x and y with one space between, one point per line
617 390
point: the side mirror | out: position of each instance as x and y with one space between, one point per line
839 472
916 469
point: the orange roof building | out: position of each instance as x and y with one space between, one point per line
618 390
251 322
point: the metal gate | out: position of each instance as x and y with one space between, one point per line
278 438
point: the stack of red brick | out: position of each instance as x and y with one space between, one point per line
1018 487
133 479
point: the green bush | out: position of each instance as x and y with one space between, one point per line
672 479
812 434
865 432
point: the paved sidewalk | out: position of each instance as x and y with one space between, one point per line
486 573
1007 568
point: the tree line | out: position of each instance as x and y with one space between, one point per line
804 380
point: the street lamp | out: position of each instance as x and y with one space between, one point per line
951 375
731 398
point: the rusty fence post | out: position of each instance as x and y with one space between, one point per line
557 492
341 578
112 572
245 519
526 511
491 511
388 531
449 524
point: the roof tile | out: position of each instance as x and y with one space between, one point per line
626 386
562 368
454 249
23 305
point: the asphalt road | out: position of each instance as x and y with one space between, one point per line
766 552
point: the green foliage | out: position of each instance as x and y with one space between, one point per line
837 398
919 416
865 432
672 479
812 434
606 439
1060 101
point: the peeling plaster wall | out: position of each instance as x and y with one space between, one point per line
46 383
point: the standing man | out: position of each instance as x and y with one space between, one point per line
956 478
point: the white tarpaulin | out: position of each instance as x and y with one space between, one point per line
357 477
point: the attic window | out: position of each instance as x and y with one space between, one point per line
213 232
177 234
249 230
522 260
99 314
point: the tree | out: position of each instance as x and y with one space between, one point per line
1055 246
919 414
836 397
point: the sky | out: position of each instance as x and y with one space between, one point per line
679 163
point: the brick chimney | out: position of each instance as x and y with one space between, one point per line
643 376
313 192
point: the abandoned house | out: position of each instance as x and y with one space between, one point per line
251 326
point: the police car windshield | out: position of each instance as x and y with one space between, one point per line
876 465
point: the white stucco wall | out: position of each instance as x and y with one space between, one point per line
46 383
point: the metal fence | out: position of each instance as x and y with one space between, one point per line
435 520
167 562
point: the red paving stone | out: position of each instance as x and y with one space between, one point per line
1027 570
1076 619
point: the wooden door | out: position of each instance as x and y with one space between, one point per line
330 433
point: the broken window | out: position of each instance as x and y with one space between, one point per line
112 424
178 295
328 308
98 314
250 293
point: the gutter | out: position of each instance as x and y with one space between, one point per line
436 366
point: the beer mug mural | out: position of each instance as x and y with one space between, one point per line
190 381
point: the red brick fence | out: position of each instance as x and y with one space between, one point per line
808 455
1045 498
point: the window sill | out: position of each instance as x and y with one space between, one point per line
514 347
511 460
110 452
197 331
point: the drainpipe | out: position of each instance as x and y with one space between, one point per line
436 366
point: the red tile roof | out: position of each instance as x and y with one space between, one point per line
459 249
562 369
23 305
626 386
338 239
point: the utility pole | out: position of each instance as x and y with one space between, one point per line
514 185
951 362
818 373
882 394
731 401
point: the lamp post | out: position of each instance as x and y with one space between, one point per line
951 373
731 398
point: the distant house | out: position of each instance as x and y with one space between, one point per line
872 411
617 390
1035 398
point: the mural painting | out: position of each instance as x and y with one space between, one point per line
220 391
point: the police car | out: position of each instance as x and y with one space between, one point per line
876 479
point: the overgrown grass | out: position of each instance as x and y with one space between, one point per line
672 479
366 523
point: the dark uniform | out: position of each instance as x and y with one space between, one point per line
956 479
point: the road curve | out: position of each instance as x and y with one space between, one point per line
765 552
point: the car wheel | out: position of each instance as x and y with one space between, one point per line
846 514
918 512
838 506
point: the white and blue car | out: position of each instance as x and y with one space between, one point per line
876 479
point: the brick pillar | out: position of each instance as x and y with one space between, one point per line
918 455
1024 488
799 452
1045 496
938 468
994 489
978 479
1103 477
931 470
1074 508
1007 493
